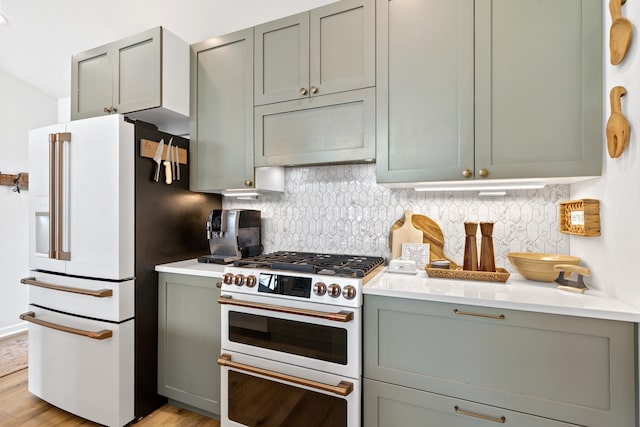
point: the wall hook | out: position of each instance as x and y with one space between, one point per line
18 182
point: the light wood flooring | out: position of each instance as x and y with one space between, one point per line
18 407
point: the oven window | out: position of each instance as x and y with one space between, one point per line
303 339
260 402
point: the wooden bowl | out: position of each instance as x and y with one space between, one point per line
539 266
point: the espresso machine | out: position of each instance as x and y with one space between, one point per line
233 234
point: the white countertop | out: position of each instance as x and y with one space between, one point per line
192 267
517 293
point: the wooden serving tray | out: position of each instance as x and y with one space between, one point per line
500 275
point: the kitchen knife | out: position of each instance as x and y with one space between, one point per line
173 162
157 157
167 164
177 158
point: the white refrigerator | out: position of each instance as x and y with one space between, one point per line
99 223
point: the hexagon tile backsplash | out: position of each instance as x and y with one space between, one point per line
341 209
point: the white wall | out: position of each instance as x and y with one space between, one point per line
614 257
22 108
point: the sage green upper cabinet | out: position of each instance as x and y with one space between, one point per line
491 89
141 72
222 112
315 86
326 50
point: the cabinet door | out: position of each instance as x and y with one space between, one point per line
91 83
282 59
538 88
579 370
222 112
387 405
424 89
342 47
332 128
137 72
189 340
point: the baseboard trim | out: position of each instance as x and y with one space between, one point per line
10 330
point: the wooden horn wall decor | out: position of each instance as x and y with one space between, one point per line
618 130
621 32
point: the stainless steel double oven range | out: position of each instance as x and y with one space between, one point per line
292 339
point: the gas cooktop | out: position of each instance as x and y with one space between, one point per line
316 263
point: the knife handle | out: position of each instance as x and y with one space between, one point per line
167 172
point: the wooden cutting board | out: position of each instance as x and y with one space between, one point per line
431 234
405 233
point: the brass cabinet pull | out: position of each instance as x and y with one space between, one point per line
500 420
107 109
343 388
313 89
467 173
303 91
342 316
30 316
100 293
488 316
483 173
248 183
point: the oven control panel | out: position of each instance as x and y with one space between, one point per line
343 291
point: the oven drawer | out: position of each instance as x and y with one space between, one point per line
89 377
263 392
298 334
113 301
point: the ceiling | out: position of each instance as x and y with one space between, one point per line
41 35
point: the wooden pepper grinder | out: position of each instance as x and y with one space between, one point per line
487 259
470 247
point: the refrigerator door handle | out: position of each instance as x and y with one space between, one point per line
52 195
61 137
30 316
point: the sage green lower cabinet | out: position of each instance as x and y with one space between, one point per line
389 405
189 341
491 362
328 129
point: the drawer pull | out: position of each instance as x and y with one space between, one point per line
341 316
344 388
30 316
500 420
488 316
100 293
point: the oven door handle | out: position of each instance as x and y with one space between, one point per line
341 316
344 388
100 293
30 316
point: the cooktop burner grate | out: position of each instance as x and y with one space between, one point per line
308 262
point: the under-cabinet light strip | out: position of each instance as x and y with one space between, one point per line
495 187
